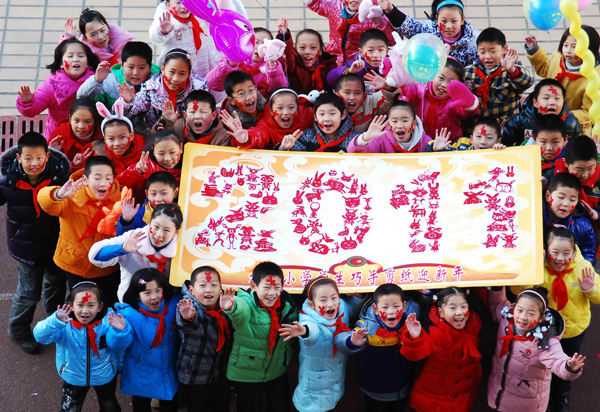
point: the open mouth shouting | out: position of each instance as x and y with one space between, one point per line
286 121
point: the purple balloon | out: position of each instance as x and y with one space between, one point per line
584 4
232 33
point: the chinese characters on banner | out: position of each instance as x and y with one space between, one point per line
418 220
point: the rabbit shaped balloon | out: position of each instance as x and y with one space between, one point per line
369 9
271 50
232 33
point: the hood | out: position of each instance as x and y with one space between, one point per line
58 165
553 326
417 134
530 111
303 112
63 87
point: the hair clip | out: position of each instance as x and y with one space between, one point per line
435 298
467 291
143 282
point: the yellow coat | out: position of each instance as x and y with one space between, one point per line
577 101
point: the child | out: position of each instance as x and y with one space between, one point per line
90 339
308 64
200 122
404 133
149 367
78 204
323 345
550 133
528 350
498 78
444 101
331 131
174 83
487 134
73 64
561 198
152 246
548 97
105 40
447 22
371 58
75 135
267 75
205 334
451 374
564 66
161 189
283 113
345 28
31 233
259 358
243 101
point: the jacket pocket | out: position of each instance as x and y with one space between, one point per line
250 359
319 380
524 388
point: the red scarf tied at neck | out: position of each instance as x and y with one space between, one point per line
162 326
160 260
384 333
21 184
484 90
316 77
559 287
91 334
564 73
339 328
196 29
92 228
345 25
509 338
333 143
172 93
274 322
222 326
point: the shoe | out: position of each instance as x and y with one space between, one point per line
562 405
27 344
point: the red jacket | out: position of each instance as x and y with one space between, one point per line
451 374
267 133
137 182
122 162
72 145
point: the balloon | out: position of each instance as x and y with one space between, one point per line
584 4
424 56
543 14
232 33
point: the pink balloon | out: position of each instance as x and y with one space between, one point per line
584 4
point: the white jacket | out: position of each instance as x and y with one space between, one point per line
132 262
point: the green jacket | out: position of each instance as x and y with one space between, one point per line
250 360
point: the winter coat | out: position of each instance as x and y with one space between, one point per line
576 99
23 226
520 128
308 142
151 97
346 45
335 74
141 219
57 94
435 112
386 143
463 143
216 135
450 377
303 80
75 214
582 229
321 374
267 133
119 37
122 162
76 363
520 380
248 120
199 362
71 144
375 104
250 360
134 261
267 79
150 372
133 180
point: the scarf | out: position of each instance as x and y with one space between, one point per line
162 326
203 139
316 76
345 25
509 338
398 149
91 334
442 333
249 69
333 143
564 73
484 89
431 116
92 228
160 260
196 29
339 328
21 184
222 326
172 93
274 322
559 287
386 333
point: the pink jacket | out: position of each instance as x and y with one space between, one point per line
266 79
57 94
119 37
332 10
520 380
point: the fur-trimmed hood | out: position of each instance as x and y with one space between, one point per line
58 165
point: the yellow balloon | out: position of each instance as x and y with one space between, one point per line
569 9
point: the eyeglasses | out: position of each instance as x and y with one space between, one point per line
242 95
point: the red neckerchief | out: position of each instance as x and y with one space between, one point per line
484 89
547 164
204 139
345 26
325 146
368 117
162 326
339 328
250 70
431 116
91 334
222 326
160 260
469 335
398 149
21 184
172 94
316 76
196 29
92 228
564 73
509 338
559 287
274 322
384 333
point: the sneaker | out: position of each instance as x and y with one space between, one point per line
562 405
27 344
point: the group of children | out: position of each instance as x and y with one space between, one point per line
115 133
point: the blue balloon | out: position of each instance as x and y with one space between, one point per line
422 63
543 14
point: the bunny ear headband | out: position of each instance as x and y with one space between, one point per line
104 112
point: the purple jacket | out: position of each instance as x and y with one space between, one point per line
385 143
57 94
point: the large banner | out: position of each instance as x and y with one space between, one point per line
469 218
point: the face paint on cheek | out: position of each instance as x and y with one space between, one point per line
442 26
382 315
557 151
208 276
572 209
275 113
90 128
534 323
86 298
322 310
319 124
67 65
151 232
543 109
551 201
467 313
367 58
409 131
398 313
550 258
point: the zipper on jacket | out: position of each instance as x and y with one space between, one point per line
87 336
503 380
62 369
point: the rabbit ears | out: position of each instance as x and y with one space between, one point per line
207 10
119 114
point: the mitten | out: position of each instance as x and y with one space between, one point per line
460 95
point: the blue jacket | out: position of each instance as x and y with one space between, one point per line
145 211
150 372
321 375
74 361
582 229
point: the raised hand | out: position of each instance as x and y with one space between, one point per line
234 124
70 188
530 41
292 331
576 362
442 139
80 158
376 129
165 23
126 92
359 336
132 244
169 112
142 165
62 313
129 208
386 5
509 58
26 94
498 146
591 212
413 326
357 66
187 309
117 321
102 71
586 282
282 25
290 140
227 299
70 27
57 143
374 80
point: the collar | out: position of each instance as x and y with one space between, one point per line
169 250
159 310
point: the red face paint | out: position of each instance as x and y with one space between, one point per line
483 130
572 209
382 315
208 276
551 201
543 109
557 151
90 128
398 313
150 230
322 310
275 113
319 124
367 58
442 26
550 258
553 90
271 281
67 65
195 105
410 129
86 297
534 323
467 313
